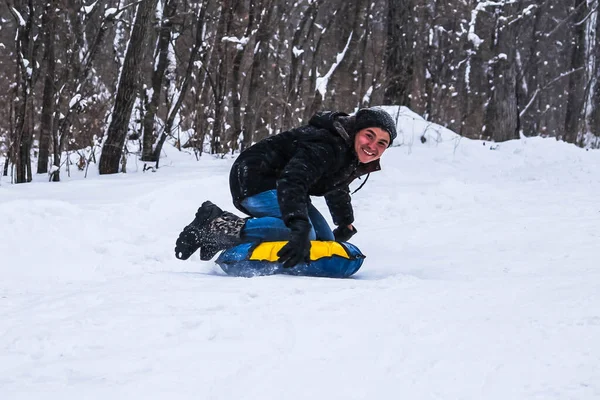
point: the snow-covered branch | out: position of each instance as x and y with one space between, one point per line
482 5
322 81
538 90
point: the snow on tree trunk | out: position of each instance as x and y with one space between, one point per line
149 134
594 101
22 132
501 115
48 97
236 79
575 99
126 91
399 50
220 81
298 48
258 67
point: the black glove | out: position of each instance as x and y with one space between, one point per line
343 233
297 248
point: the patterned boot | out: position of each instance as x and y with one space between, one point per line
221 233
190 238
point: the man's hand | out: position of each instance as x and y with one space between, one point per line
297 248
344 233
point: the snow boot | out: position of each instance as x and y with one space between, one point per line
221 233
190 238
211 231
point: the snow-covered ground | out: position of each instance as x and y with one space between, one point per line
482 281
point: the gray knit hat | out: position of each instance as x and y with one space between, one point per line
376 117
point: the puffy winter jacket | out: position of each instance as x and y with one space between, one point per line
317 159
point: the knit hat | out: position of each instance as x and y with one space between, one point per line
375 117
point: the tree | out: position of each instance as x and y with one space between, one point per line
112 148
574 121
227 74
257 89
152 103
399 51
298 48
501 117
48 97
25 15
594 99
175 102
219 83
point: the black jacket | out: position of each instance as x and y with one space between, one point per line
317 159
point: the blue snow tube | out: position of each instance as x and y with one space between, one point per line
327 259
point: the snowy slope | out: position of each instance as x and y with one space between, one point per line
481 281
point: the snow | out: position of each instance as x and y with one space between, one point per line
481 282
75 100
240 41
297 52
173 92
472 36
367 97
158 13
22 22
110 12
88 9
322 81
529 9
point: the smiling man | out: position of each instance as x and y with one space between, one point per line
273 180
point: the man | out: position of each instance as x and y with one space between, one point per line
273 180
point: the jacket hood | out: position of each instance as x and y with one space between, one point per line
325 119
335 121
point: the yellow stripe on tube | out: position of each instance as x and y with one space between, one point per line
267 251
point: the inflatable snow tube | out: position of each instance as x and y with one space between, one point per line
327 259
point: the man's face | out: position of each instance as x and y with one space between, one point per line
370 143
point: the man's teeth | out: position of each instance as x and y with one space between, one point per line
370 154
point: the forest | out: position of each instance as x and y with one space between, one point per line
105 78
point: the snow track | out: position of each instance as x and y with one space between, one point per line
481 282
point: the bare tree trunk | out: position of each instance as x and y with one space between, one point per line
200 119
56 152
22 146
316 100
48 98
418 95
174 109
6 164
257 71
220 85
236 85
201 106
346 80
325 93
149 135
575 98
501 117
126 92
399 52
594 116
298 50
528 81
26 70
